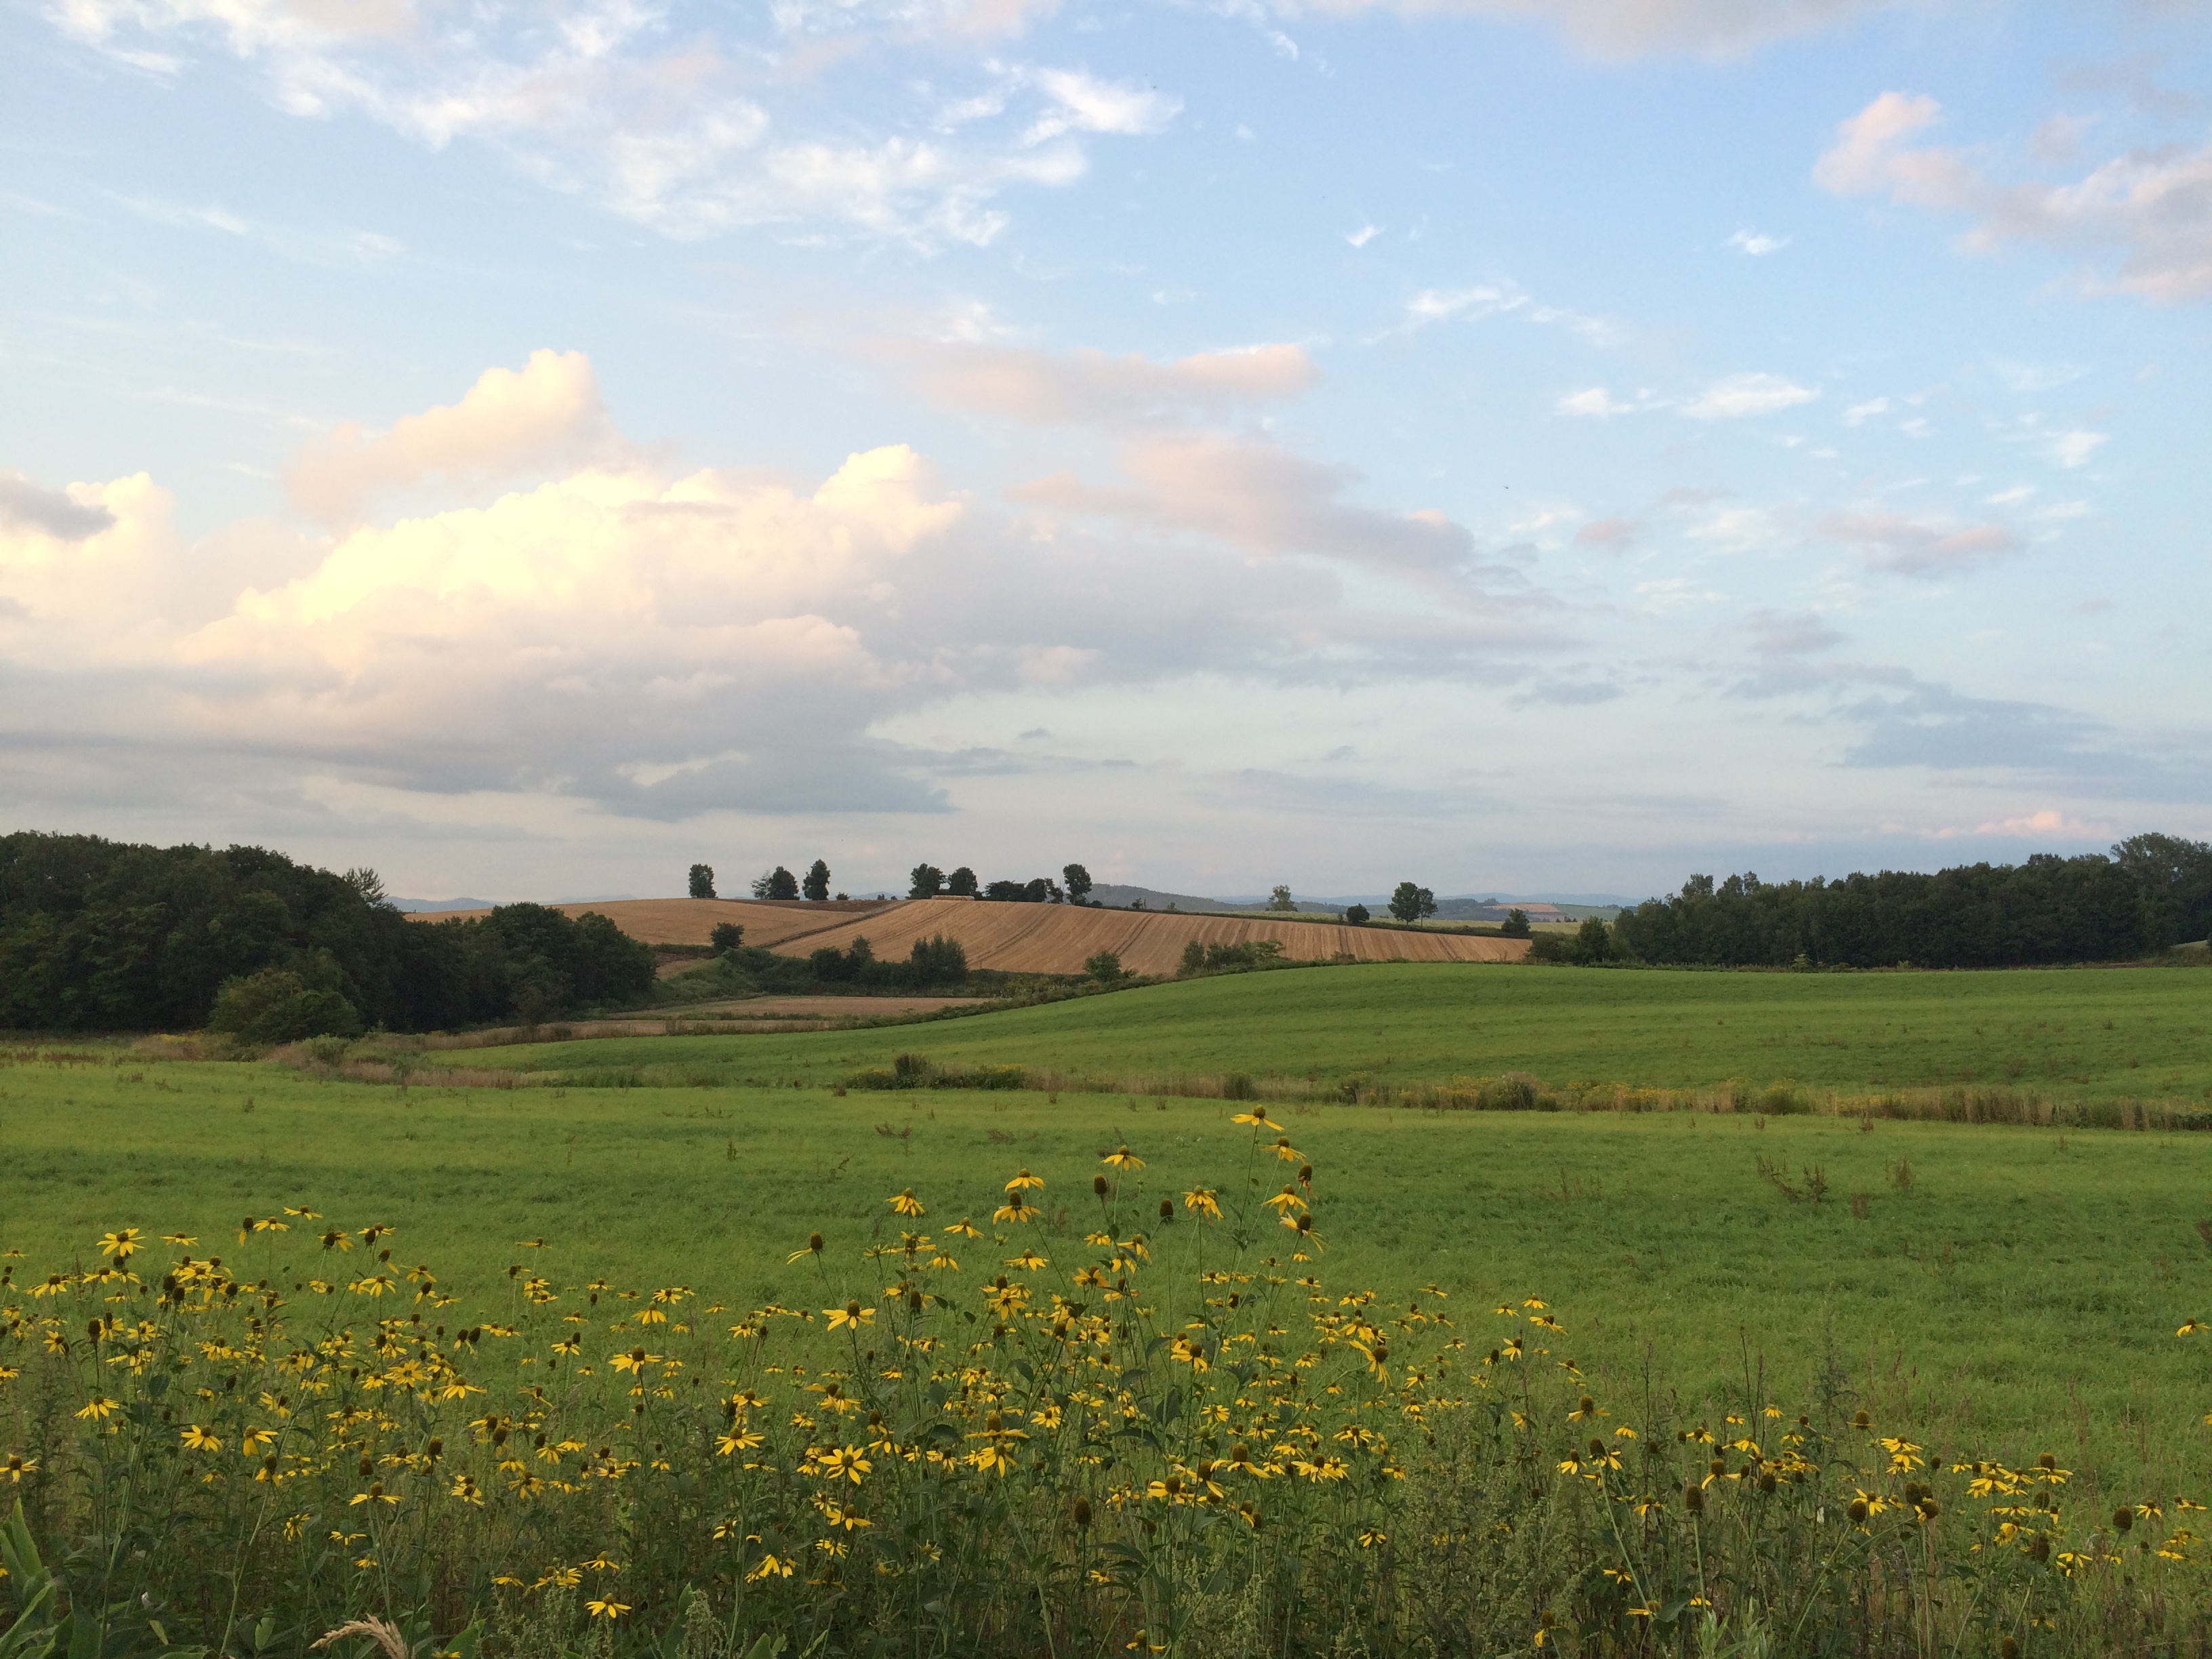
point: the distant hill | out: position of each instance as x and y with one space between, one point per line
1115 895
411 905
1490 908
1060 939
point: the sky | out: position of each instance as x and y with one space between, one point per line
1526 446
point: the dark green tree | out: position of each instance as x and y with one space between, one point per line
1105 968
961 884
1078 884
1281 899
726 936
1410 904
937 961
816 884
1516 924
1593 942
1356 915
776 883
702 881
925 881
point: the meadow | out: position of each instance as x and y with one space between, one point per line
1977 1290
2099 1034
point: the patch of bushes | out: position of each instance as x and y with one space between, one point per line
1198 958
919 1072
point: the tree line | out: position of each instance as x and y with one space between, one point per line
2151 892
98 935
924 881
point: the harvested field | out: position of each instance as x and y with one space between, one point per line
690 921
1056 938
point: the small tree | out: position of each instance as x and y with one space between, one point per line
1593 942
702 881
1193 958
1517 925
726 936
961 884
937 961
1410 904
1105 968
925 881
817 882
1279 898
777 883
1078 884
1355 916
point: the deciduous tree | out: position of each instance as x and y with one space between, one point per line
1410 904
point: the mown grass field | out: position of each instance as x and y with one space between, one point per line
2022 1294
2091 1034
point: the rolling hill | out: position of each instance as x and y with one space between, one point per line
1057 939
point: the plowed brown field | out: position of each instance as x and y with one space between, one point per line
690 921
1056 938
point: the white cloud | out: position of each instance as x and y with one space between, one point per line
1364 235
683 136
2151 209
551 412
1262 497
1597 401
1757 243
1083 103
2072 449
58 514
1912 547
1858 414
1482 299
1739 395
1625 28
1089 387
663 644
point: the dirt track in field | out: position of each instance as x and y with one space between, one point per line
690 921
1056 938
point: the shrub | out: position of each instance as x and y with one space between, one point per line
1105 968
276 1006
1356 915
1516 924
726 936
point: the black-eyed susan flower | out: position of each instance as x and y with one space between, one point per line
813 1248
906 1203
16 1466
1016 1208
1123 1159
851 1314
1256 1116
607 1609
1201 1200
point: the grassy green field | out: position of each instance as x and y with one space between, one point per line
2089 1034
2020 1294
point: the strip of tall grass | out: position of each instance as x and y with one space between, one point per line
1176 1439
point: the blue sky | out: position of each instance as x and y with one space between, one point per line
527 446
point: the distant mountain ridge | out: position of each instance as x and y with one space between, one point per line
1488 908
411 905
